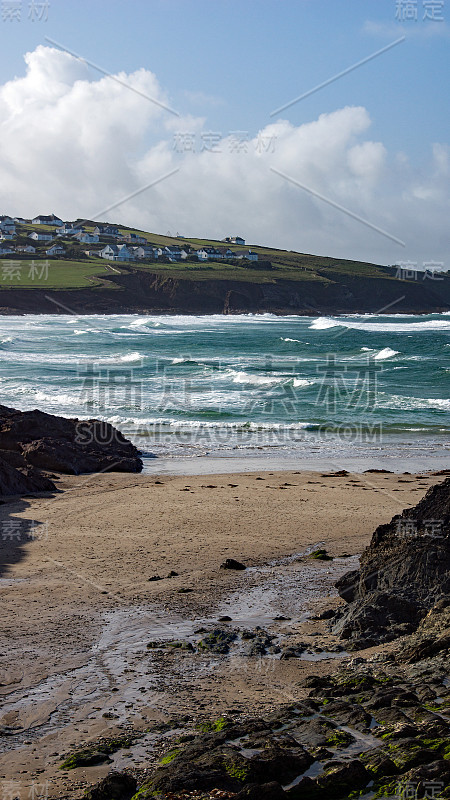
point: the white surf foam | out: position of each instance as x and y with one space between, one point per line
387 352
325 323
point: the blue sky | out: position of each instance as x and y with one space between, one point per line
252 56
230 63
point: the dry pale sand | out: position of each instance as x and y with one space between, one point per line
78 607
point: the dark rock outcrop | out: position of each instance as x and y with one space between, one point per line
31 441
231 563
432 637
19 482
44 441
404 572
213 761
116 786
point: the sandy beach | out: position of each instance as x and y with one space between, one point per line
80 606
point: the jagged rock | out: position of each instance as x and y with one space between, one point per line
432 636
44 441
434 777
344 777
17 482
403 573
349 714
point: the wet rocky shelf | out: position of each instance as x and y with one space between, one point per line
361 730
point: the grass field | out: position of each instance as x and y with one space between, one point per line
58 274
212 270
65 274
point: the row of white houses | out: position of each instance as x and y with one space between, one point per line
28 249
129 247
123 252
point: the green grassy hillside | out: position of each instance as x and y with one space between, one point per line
78 271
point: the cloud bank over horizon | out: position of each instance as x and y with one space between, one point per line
76 144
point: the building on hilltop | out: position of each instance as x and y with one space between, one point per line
51 219
234 240
106 230
7 225
133 238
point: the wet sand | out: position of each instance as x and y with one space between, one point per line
79 607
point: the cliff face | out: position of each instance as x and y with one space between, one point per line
136 291
403 573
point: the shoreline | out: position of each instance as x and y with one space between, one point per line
189 466
86 598
158 312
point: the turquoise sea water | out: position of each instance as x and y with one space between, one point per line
186 386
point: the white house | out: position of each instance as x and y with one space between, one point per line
106 230
234 240
109 252
224 252
212 253
146 252
25 248
116 252
133 238
87 238
40 237
68 228
20 220
47 220
56 250
249 255
174 253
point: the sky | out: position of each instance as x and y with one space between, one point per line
233 117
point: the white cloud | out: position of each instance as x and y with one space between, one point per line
74 145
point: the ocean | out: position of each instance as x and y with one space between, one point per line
218 393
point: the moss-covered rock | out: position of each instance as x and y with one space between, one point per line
218 641
320 555
96 753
